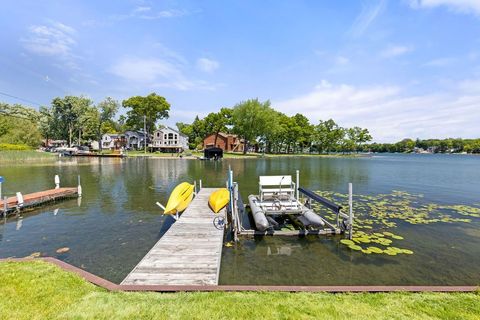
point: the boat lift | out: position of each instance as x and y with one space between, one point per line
344 221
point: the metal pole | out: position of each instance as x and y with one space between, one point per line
350 209
145 133
5 207
298 183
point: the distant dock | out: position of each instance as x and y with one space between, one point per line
189 253
30 200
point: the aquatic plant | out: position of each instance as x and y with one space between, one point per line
373 214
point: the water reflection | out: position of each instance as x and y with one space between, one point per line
116 221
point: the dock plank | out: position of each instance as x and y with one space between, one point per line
189 253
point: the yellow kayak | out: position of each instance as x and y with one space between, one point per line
180 198
219 199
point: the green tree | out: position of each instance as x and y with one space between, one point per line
151 108
217 122
249 120
106 111
19 125
328 135
66 116
305 131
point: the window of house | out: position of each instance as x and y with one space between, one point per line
170 136
165 136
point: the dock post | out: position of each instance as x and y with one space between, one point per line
5 206
19 200
57 182
350 209
79 188
237 223
298 183
195 187
199 184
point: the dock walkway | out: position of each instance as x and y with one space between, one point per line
38 198
189 253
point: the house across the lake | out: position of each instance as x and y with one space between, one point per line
226 141
167 139
113 141
135 140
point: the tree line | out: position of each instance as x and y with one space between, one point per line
264 128
77 120
449 145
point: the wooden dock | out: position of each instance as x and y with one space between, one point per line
189 253
37 198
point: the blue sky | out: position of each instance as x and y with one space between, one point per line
400 68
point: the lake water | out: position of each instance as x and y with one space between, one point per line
116 221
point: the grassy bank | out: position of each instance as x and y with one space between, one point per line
37 290
10 156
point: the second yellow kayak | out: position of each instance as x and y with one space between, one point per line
180 198
219 199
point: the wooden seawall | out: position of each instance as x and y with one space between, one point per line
189 253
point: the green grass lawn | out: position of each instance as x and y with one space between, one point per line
38 290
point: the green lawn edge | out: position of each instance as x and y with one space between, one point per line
39 290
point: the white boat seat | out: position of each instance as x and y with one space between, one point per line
275 190
275 180
269 185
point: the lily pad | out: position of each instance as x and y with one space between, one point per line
390 253
375 249
347 242
355 247
406 251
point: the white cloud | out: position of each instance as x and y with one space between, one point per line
53 39
460 6
147 13
366 17
394 51
440 62
144 70
207 65
341 60
388 113
142 9
157 72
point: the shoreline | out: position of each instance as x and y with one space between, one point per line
31 156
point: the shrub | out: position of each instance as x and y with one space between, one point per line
9 146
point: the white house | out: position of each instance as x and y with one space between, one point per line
113 141
167 139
